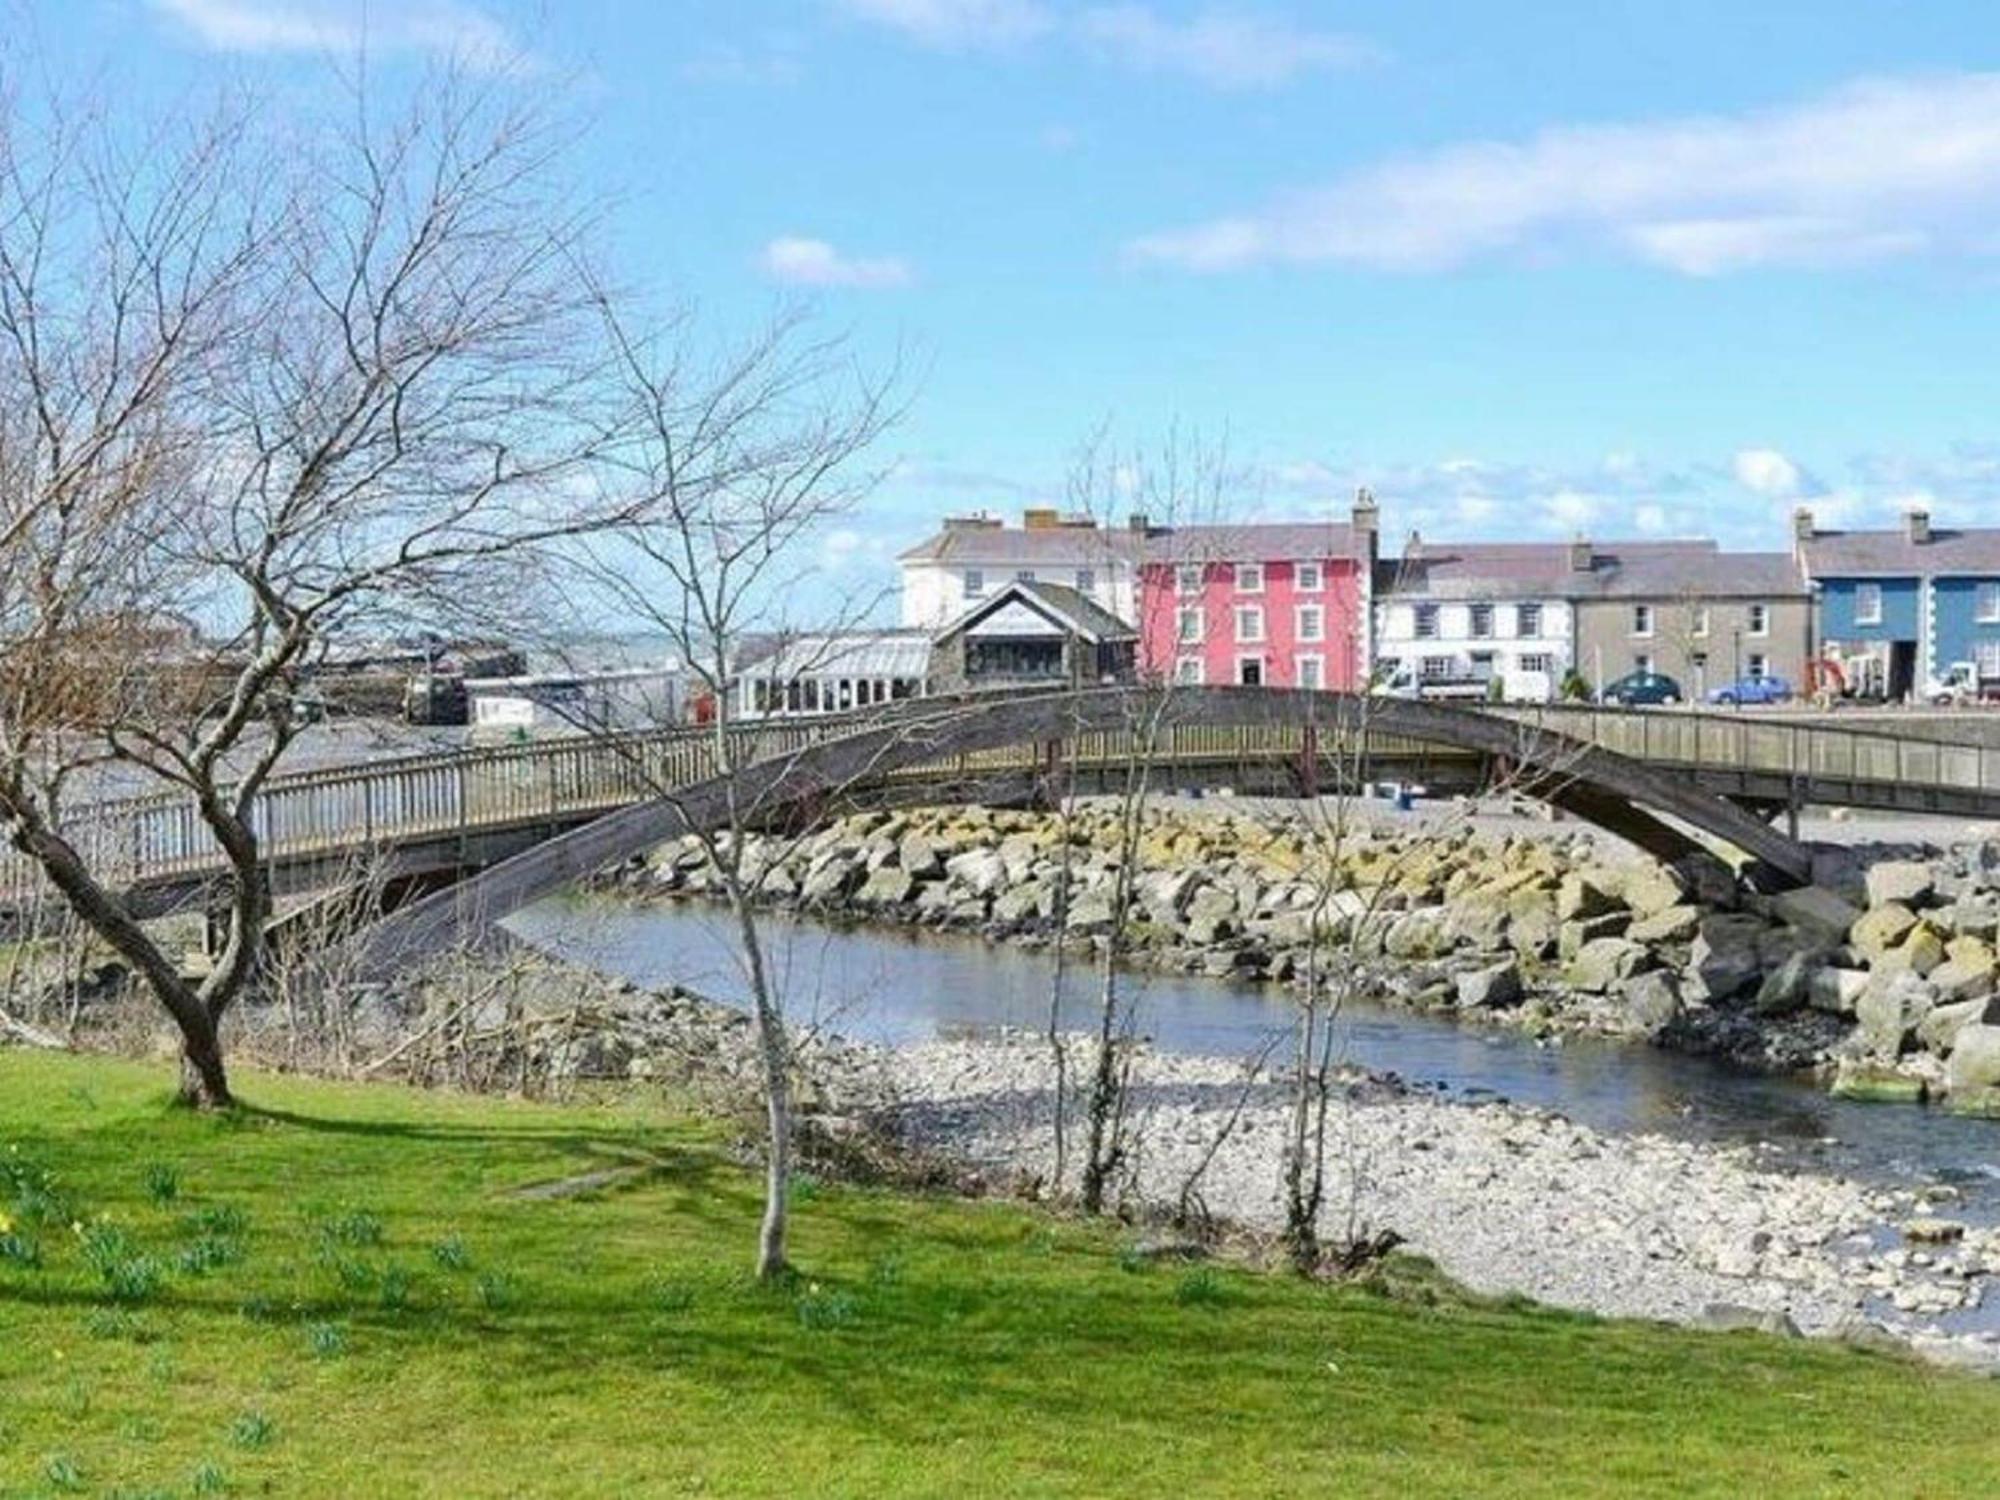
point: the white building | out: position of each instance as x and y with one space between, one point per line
833 673
1483 612
973 556
574 702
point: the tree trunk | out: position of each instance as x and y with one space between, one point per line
204 1079
774 1052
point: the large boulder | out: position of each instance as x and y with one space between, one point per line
1905 882
1785 988
887 886
1604 963
1649 888
1650 1001
1940 1029
979 872
1880 929
1211 916
1417 934
1726 957
1492 987
1532 924
1817 910
1974 1063
1836 990
1889 1009
831 879
1573 935
1586 894
1921 950
1670 924
920 855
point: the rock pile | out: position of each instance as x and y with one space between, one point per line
1890 995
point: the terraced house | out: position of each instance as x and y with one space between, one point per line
1898 607
1518 617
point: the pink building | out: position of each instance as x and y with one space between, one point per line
1283 605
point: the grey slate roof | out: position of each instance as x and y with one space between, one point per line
1070 607
1834 554
1084 546
1619 570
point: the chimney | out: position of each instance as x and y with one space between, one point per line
1581 554
979 521
1367 523
1802 524
1138 523
1918 520
1040 519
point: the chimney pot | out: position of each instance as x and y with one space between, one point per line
1919 523
1138 522
1581 554
1803 529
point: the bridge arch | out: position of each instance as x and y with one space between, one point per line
1599 785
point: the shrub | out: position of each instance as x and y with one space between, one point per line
451 1254
163 1183
209 1479
1200 1287
326 1340
133 1279
396 1288
252 1430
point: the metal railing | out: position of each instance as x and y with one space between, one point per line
370 805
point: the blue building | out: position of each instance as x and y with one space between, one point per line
1898 607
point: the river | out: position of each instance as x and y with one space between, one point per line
892 985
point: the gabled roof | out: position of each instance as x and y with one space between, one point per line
1618 570
1257 541
1075 612
854 653
1835 554
1086 546
1076 546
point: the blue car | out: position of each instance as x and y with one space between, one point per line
1752 690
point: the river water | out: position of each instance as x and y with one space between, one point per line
892 985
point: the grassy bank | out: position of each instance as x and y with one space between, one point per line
346 1291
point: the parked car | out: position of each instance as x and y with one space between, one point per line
1751 690
1641 689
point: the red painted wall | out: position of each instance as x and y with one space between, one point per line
1341 647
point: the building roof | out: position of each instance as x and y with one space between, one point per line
1083 546
854 653
1073 610
1618 570
1892 553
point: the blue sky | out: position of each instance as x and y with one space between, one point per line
1611 266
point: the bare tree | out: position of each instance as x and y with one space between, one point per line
280 398
733 469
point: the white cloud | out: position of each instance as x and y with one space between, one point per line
807 262
1770 473
446 28
1229 49
1882 168
957 24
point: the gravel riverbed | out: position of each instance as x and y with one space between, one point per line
1502 1198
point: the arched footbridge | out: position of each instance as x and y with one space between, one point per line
529 817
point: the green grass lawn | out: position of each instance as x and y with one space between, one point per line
341 1291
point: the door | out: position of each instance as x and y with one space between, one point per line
1902 670
1250 672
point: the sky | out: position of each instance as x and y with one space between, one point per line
1602 267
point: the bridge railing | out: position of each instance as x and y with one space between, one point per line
367 805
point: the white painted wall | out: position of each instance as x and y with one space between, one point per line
1396 638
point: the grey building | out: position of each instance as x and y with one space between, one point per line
1702 616
1032 634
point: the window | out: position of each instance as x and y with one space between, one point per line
1483 664
1527 619
1249 578
1642 619
1643 663
1309 672
1868 604
1024 575
1760 619
1427 622
1698 620
1187 578
1308 578
1989 603
1311 623
1250 671
1086 579
1482 621
975 582
1537 661
1188 670
1434 667
1187 627
1987 655
1759 664
1249 622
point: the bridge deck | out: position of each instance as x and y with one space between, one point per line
348 811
